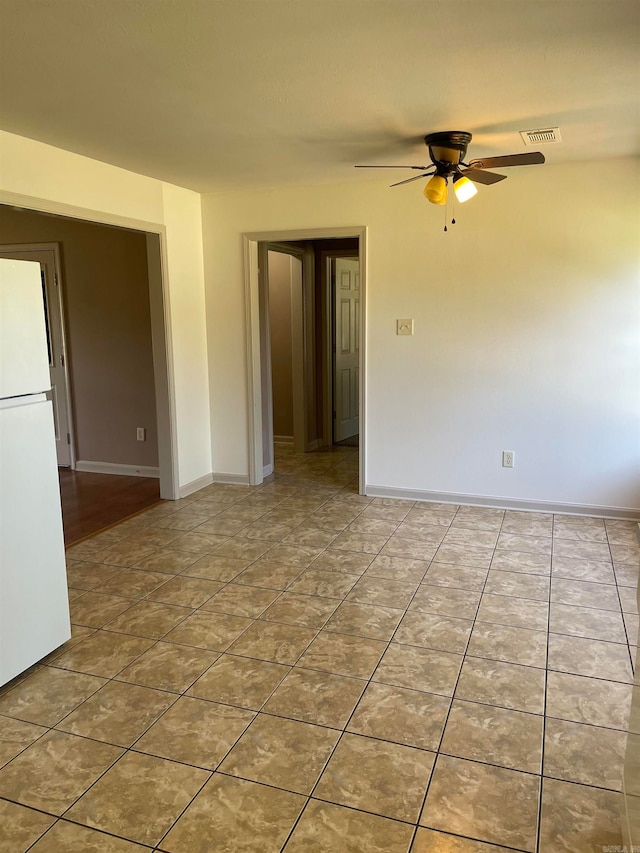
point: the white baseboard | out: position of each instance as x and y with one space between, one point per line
501 503
312 445
283 439
267 470
239 479
195 485
115 468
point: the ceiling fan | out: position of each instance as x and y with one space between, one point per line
447 151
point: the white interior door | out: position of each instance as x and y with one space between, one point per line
47 256
346 381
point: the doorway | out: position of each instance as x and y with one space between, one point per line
47 255
315 332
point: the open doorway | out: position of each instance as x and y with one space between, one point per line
306 354
103 296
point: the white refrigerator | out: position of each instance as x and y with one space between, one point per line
34 608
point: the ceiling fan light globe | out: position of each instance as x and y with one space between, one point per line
436 190
464 189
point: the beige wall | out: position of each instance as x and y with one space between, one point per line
526 331
106 295
280 330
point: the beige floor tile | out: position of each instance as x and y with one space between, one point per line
209 630
365 620
268 574
148 619
267 531
588 550
493 735
166 560
468 799
328 584
476 538
521 561
94 609
343 561
398 569
377 776
513 645
525 544
585 594
293 555
327 828
599 659
235 816
118 713
507 685
367 543
242 549
461 577
517 612
587 754
55 770
464 555
47 695
103 653
308 611
196 542
195 732
273 641
527 523
83 575
131 583
383 591
20 827
373 526
447 601
139 798
185 591
342 654
432 631
217 568
240 681
432 841
71 838
422 669
154 537
588 700
575 817
16 735
410 549
587 622
169 666
271 749
125 553
583 570
316 697
238 600
518 585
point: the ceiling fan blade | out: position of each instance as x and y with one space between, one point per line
416 178
479 176
422 168
531 158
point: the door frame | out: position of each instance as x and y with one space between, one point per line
252 336
160 319
59 287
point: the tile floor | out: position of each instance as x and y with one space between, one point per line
298 668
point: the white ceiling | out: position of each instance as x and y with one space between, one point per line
211 94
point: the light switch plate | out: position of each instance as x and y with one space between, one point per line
404 327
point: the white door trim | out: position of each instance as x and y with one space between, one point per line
160 323
252 336
59 287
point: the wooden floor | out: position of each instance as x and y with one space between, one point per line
91 502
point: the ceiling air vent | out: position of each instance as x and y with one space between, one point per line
538 137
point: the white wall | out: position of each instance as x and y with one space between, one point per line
526 331
47 178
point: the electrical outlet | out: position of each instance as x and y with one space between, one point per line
404 327
507 458
141 434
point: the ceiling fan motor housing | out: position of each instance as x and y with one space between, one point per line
447 149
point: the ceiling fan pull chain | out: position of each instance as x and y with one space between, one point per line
453 209
445 216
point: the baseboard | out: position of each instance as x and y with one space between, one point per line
115 468
312 445
195 485
283 439
267 470
239 479
501 503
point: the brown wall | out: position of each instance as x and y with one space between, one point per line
106 296
280 331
